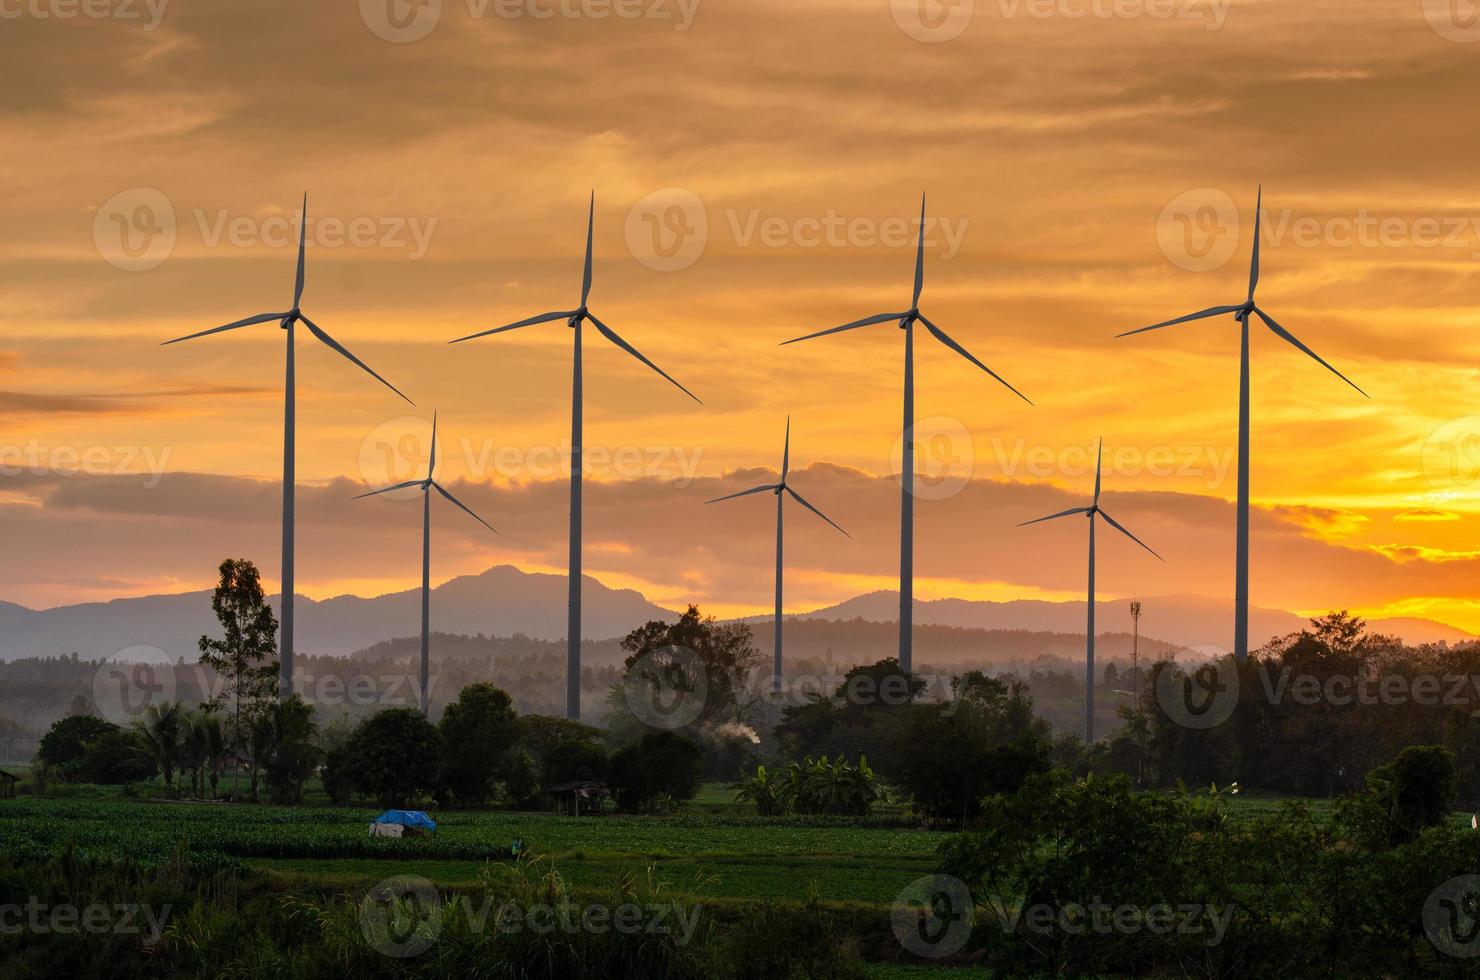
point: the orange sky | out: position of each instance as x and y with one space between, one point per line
1091 167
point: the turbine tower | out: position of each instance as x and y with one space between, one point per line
287 321
780 490
907 321
1092 511
574 319
1241 313
428 485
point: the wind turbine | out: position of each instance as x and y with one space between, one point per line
907 321
287 321
574 319
780 489
1241 313
428 485
1092 511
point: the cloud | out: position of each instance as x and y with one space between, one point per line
661 536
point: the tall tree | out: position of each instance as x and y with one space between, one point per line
245 657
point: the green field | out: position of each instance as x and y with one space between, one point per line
721 854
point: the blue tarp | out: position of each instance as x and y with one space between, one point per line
407 818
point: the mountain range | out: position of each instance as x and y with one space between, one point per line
505 601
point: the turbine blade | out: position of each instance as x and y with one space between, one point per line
330 342
439 488
590 228
302 235
940 335
1254 258
1054 517
432 465
611 335
246 322
542 318
1287 335
398 486
746 493
865 322
920 257
1099 456
786 452
1116 524
801 500
1200 314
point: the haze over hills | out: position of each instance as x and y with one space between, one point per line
504 601
1182 620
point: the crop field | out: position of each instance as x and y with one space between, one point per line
712 855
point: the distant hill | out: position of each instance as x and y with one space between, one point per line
1182 620
504 601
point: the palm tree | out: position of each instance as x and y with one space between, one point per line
161 728
216 746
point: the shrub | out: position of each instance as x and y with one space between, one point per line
662 764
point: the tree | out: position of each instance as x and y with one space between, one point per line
574 762
693 654
395 756
116 757
161 728
477 734
857 719
284 732
65 743
949 757
662 764
245 657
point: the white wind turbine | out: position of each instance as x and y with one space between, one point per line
1092 511
287 321
426 486
780 489
1241 313
574 319
907 321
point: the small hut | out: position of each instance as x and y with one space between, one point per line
7 785
579 797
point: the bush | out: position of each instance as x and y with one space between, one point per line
116 757
1414 791
662 764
